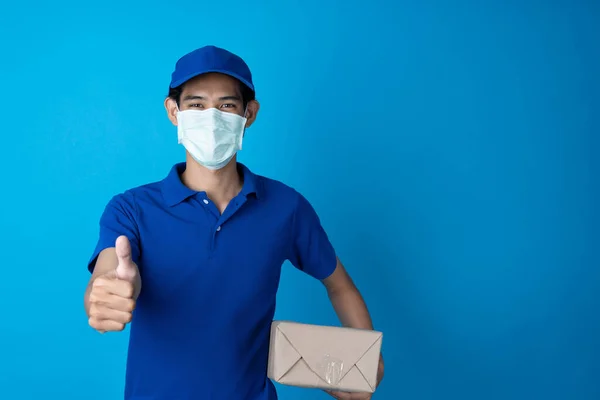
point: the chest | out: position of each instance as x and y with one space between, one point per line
194 255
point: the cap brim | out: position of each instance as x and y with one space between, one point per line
186 78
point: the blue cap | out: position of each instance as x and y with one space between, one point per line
210 59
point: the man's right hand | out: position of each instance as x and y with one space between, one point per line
112 296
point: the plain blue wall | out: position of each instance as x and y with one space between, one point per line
451 149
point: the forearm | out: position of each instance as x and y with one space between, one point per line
350 308
347 301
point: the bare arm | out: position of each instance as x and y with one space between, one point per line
347 300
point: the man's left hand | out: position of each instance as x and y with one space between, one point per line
358 396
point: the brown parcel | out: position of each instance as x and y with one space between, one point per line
324 357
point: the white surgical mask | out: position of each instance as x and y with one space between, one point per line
212 137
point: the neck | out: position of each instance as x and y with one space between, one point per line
220 186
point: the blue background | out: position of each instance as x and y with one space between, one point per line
450 148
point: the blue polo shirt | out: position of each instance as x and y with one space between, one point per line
201 327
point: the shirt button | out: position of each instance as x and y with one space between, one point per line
205 201
218 228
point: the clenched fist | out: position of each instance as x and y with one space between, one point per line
112 295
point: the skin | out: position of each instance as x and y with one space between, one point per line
115 284
113 288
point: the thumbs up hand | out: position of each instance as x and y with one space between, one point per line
113 294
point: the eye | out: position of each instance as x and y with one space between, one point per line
195 105
228 105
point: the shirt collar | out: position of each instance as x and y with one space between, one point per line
175 192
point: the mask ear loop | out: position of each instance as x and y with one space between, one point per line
177 114
244 130
177 108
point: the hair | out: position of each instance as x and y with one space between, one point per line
248 94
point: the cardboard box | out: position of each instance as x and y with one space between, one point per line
324 357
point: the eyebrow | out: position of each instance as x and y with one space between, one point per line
224 98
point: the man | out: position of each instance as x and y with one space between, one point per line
198 255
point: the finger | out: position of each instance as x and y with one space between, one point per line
117 287
349 396
106 325
337 395
112 301
123 249
104 281
126 269
102 313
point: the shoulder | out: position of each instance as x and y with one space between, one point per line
148 190
284 197
278 191
132 198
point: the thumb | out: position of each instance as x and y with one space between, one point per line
126 268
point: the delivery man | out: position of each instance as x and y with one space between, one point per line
193 261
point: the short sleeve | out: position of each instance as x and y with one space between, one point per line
118 218
311 250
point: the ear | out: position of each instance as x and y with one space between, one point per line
251 112
171 108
